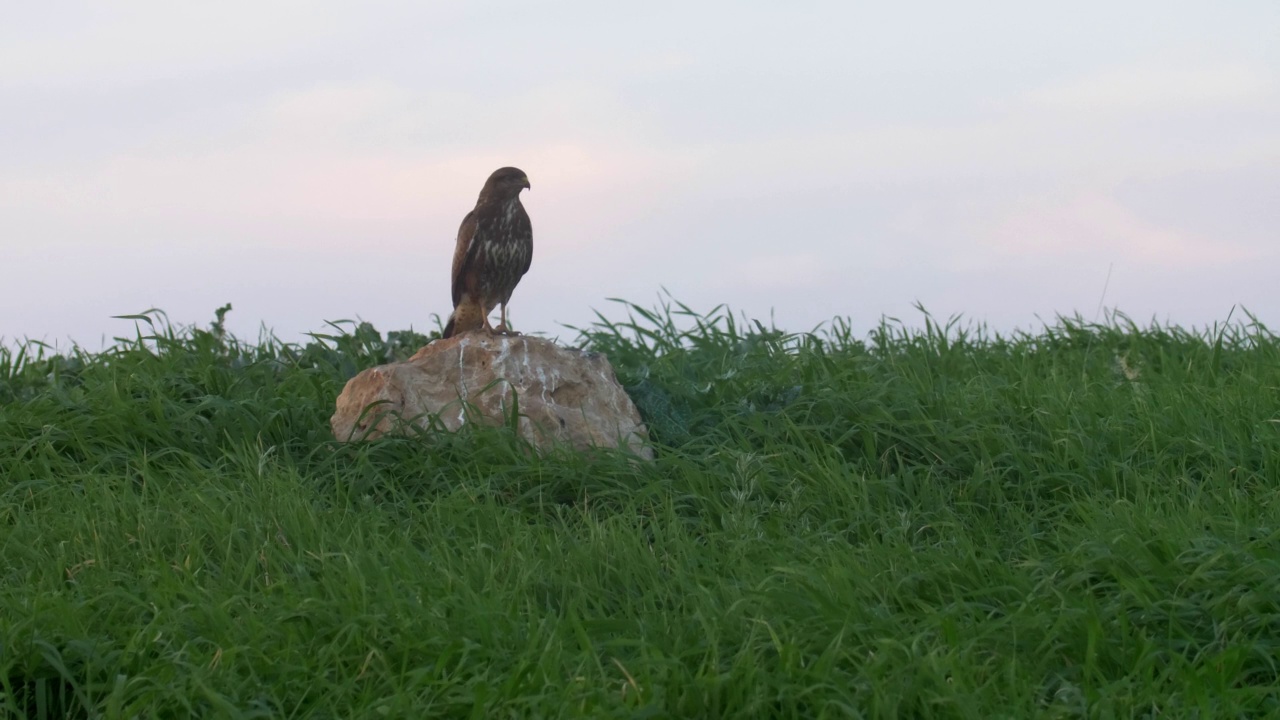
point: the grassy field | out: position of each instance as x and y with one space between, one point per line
1081 522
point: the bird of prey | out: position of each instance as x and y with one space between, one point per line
495 248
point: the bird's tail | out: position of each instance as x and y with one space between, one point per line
448 328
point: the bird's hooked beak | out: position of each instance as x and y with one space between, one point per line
527 186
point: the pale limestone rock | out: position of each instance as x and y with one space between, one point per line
564 395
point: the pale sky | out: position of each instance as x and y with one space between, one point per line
311 161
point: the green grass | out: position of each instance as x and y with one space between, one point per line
940 523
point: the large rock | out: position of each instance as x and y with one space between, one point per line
563 395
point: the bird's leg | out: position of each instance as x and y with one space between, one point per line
502 326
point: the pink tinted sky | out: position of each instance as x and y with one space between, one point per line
312 161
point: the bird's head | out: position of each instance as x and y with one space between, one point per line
506 182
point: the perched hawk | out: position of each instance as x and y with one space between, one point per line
495 247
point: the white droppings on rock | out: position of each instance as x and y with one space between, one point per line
542 381
502 354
